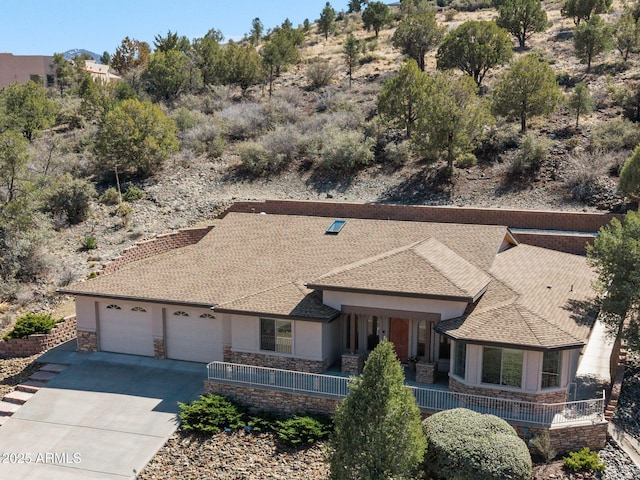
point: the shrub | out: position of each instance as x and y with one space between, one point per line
302 430
533 152
615 134
283 144
109 197
542 446
320 73
263 422
71 198
584 460
89 243
133 194
466 160
125 211
398 153
205 139
345 150
184 119
466 445
32 324
243 121
210 414
255 159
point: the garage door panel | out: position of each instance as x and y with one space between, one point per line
194 338
123 330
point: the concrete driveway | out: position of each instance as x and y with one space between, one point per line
104 417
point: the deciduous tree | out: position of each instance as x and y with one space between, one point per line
417 33
527 89
376 16
592 38
378 434
615 256
522 18
475 47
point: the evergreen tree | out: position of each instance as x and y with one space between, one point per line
629 183
376 16
25 108
474 48
625 35
355 6
527 89
522 18
378 434
580 101
401 96
63 71
326 22
167 74
13 162
417 33
352 50
584 9
131 54
255 34
592 38
615 255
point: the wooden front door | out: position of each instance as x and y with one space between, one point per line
399 336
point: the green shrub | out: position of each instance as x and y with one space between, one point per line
89 243
584 460
466 160
398 153
133 193
210 414
542 446
615 135
71 198
302 430
466 445
263 422
533 152
205 139
31 324
184 119
320 73
345 150
256 160
125 211
110 197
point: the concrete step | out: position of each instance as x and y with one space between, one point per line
17 397
42 376
30 386
53 367
8 408
3 418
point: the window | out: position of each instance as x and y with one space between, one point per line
373 336
275 335
114 307
551 362
421 351
138 309
445 347
180 313
502 366
207 315
460 359
335 227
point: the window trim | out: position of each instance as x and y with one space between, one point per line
557 375
277 323
181 313
456 363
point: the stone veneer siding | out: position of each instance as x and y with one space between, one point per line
426 372
352 364
287 403
274 361
159 349
87 341
25 347
554 396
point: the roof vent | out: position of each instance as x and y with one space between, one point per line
335 227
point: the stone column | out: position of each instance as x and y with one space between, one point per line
426 372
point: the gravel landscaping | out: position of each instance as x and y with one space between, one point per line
14 371
627 414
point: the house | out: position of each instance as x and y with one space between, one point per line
100 72
488 315
23 68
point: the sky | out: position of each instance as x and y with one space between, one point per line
45 27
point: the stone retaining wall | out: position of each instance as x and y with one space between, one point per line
25 347
160 244
274 361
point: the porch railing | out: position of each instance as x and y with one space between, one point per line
428 399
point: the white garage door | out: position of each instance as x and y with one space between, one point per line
193 336
125 329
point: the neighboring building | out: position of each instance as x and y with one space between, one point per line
306 293
100 72
22 68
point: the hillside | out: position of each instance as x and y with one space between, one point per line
579 172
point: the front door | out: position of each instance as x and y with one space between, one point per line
399 336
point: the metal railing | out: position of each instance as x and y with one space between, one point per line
429 399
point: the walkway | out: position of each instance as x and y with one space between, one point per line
593 373
103 417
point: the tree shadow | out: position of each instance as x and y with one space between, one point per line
324 181
583 312
431 185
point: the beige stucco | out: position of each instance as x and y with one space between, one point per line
21 68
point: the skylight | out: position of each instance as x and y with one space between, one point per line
335 227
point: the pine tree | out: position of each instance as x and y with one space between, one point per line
592 38
580 101
522 18
352 50
378 433
326 22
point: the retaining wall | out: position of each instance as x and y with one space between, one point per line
25 347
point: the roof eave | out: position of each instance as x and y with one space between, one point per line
284 316
368 291
137 299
